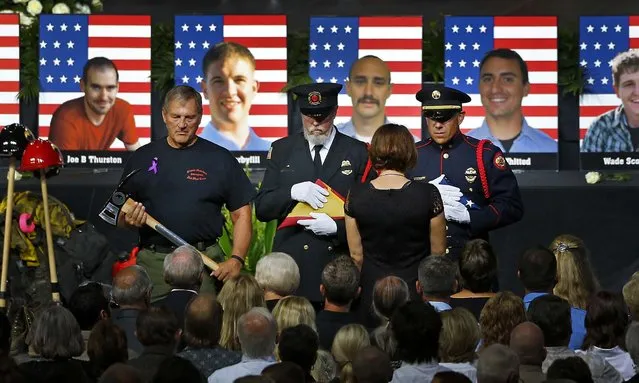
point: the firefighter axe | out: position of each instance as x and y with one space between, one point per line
121 202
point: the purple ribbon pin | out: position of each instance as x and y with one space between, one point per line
154 166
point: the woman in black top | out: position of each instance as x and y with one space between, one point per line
392 223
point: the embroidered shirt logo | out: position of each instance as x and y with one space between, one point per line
196 175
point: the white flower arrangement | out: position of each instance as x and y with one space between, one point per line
25 19
597 177
34 7
593 177
60 9
82 8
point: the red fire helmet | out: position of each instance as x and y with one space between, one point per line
42 155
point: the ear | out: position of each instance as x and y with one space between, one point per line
418 287
322 290
204 89
615 87
256 86
164 116
359 291
460 117
82 85
103 314
526 89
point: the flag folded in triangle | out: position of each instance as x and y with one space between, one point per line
334 207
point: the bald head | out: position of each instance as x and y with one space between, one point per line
527 341
372 365
369 86
370 60
183 268
132 287
256 331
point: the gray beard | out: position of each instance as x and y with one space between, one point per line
317 139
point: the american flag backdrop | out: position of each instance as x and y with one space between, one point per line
601 38
68 41
336 42
9 68
468 39
264 36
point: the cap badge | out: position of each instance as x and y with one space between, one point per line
314 98
436 95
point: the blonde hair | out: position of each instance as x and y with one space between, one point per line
499 317
237 297
293 310
348 341
459 336
631 297
576 282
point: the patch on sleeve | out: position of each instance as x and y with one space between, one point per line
268 155
500 162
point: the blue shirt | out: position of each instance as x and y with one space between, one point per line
608 133
254 142
348 129
440 306
248 366
530 140
577 321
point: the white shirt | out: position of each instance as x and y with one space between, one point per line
327 145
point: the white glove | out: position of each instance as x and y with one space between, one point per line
449 193
456 212
310 193
321 224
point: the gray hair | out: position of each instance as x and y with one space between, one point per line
278 273
183 267
497 364
437 275
135 293
183 93
257 331
57 334
632 342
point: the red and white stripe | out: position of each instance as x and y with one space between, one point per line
265 37
126 40
9 68
397 41
535 39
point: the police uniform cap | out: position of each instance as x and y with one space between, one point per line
316 98
438 97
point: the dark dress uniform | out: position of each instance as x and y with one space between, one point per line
289 162
478 169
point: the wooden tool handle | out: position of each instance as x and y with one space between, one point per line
55 287
6 245
154 224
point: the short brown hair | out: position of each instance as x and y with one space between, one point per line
478 266
393 148
625 62
203 321
499 317
224 51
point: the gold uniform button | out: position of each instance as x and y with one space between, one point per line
330 248
470 189
446 155
447 251
305 247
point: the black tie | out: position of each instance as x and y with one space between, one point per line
317 161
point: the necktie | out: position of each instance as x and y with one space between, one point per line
317 161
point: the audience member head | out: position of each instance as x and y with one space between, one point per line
552 315
372 365
237 297
393 148
157 326
437 278
606 321
132 288
631 297
538 270
388 294
177 370
203 322
5 334
9 370
527 340
459 336
450 377
293 310
284 372
184 268
278 275
478 266
88 305
121 373
299 344
624 63
497 364
56 334
499 317
576 281
107 345
416 327
632 342
573 368
348 342
257 331
325 369
340 281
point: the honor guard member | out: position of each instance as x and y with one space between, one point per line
479 191
294 163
